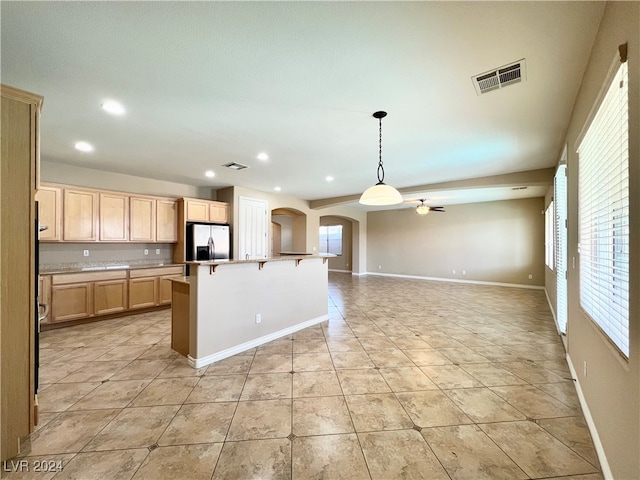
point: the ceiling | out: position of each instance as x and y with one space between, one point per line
207 83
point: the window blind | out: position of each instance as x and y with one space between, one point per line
603 202
548 235
560 230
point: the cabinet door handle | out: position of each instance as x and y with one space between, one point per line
44 314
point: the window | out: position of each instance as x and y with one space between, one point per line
549 236
331 239
603 202
560 199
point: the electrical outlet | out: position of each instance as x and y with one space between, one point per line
454 272
85 253
258 318
530 277
146 251
464 272
379 267
157 251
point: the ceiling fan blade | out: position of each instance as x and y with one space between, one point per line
436 209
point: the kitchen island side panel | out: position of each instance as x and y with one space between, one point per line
224 304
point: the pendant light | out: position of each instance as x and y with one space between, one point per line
380 193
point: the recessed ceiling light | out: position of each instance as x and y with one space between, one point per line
262 156
84 146
113 107
329 178
210 173
277 189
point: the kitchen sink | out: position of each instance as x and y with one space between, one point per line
109 267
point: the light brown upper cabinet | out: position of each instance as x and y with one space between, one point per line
90 215
206 211
114 217
143 219
197 210
218 212
80 216
50 212
166 221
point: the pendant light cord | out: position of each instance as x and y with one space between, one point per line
380 167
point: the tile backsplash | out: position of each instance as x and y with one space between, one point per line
63 253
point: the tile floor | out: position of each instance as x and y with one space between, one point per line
408 379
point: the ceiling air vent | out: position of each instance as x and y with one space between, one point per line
235 166
500 77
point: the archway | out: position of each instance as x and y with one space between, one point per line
288 231
336 229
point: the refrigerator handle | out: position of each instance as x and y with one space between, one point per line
212 248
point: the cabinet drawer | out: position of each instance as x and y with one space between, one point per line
66 278
156 272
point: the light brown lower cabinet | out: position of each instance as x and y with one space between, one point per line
71 302
143 292
75 296
164 289
180 317
109 296
150 287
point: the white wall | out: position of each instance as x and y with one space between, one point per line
286 232
88 177
611 384
223 305
499 242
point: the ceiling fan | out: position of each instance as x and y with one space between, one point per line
423 208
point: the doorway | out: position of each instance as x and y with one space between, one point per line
253 228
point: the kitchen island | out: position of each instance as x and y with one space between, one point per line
236 305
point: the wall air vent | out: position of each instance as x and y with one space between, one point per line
500 77
235 166
518 188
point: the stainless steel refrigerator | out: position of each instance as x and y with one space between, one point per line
208 242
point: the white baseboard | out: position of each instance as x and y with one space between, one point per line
553 311
339 271
214 357
454 280
602 458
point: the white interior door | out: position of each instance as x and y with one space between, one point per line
253 228
560 198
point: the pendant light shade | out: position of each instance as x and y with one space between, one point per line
380 193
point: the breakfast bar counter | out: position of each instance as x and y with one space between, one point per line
236 305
